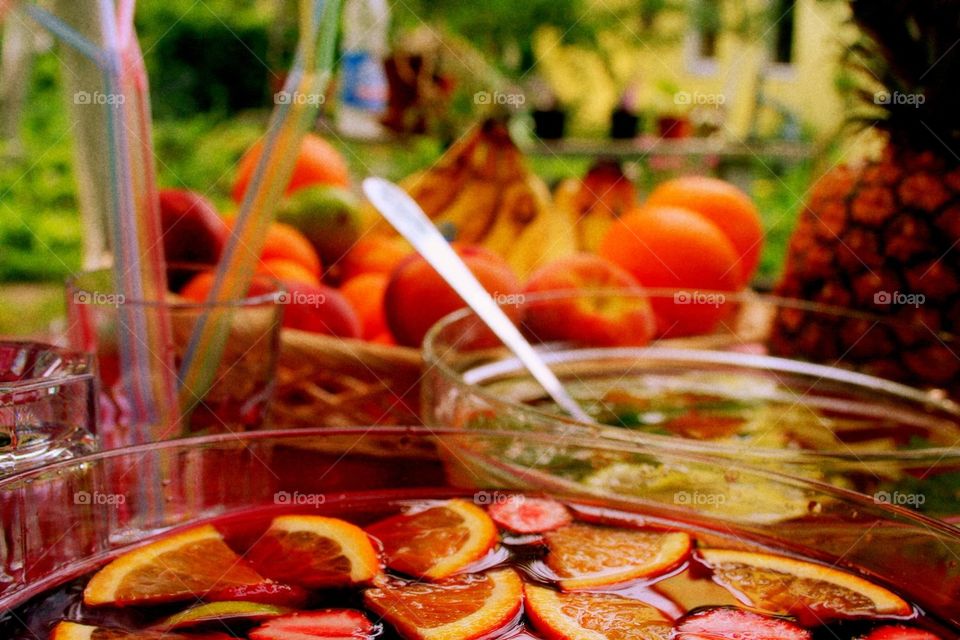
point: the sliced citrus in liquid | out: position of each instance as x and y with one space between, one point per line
437 542
593 616
182 566
585 556
459 608
315 552
231 610
74 631
782 586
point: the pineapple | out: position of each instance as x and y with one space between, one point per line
883 237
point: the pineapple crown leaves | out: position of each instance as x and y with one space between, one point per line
906 67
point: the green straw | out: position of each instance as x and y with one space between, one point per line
289 123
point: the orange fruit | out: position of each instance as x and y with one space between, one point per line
317 163
725 205
365 294
315 552
674 248
584 556
374 254
593 616
385 338
438 541
198 287
74 631
179 567
810 591
285 242
287 271
460 608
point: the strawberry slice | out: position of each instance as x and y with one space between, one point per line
274 593
521 514
900 633
730 623
316 625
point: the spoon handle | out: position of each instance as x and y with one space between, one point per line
412 223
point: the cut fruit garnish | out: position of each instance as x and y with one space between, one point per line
460 608
315 552
521 514
222 611
182 566
273 593
437 542
812 592
593 616
316 625
730 623
898 632
74 631
584 556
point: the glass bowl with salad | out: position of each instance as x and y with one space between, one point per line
431 534
717 389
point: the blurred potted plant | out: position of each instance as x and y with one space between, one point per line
549 118
625 119
673 120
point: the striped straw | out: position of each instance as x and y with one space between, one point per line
144 339
289 123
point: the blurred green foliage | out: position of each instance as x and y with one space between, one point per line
217 56
201 88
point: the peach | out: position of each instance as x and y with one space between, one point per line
193 232
417 297
598 320
319 309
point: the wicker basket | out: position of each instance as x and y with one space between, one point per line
325 381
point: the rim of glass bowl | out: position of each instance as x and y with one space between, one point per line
881 513
72 285
198 443
75 359
895 391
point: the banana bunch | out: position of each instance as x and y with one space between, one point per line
595 201
480 192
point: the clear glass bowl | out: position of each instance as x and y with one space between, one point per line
719 394
61 521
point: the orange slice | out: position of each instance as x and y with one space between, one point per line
584 556
593 616
459 608
784 586
315 552
437 542
182 566
74 631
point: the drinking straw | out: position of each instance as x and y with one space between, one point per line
144 336
289 122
